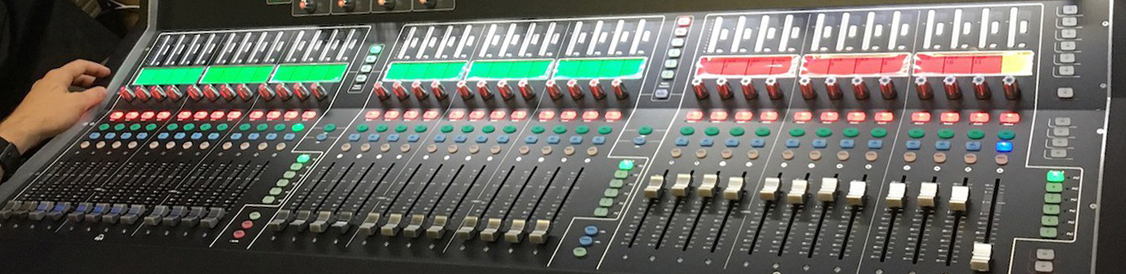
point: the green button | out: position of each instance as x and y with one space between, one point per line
1053 188
488 129
824 132
221 127
275 191
303 158
281 127
282 183
263 127
916 133
645 130
376 49
254 216
205 127
879 133
298 127
1006 134
605 202
1051 210
625 165
605 130
150 127
537 129
135 127
296 166
711 131
447 128
467 129
617 183
687 131
580 252
1052 198
103 127
268 199
330 127
851 132
401 128
172 127
381 127
289 175
762 132
559 129
737 131
509 129
975 134
946 133
362 128
582 129
1055 176
187 127
244 127
610 193
598 212
1049 221
797 132
1048 232
420 128
118 127
621 174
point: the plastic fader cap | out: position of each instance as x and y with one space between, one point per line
798 187
656 183
856 190
707 186
828 191
680 187
769 190
896 193
959 197
734 189
982 253
928 193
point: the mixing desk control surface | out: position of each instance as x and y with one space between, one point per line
425 136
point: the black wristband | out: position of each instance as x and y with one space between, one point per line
10 158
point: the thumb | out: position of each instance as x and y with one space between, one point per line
91 97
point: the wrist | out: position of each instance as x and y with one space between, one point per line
18 135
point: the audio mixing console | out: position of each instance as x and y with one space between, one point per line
442 136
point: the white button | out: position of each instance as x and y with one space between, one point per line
671 63
959 198
674 53
1067 33
1062 121
1059 142
1069 21
1067 58
678 42
1067 70
980 257
707 186
1070 9
828 191
681 32
680 187
928 192
798 187
1044 267
668 74
856 193
769 189
365 68
1065 93
1061 131
1067 45
734 189
896 192
1058 153
656 183
1045 254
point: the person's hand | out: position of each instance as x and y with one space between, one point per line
50 107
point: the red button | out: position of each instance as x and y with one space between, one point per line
200 115
949 117
694 116
410 115
718 116
884 117
247 224
768 116
830 117
457 115
519 115
568 115
476 115
391 115
239 234
132 115
590 115
116 116
308 115
256 115
234 115
921 117
163 115
803 116
856 116
217 115
613 115
979 118
291 115
547 115
430 115
371 115
147 115
273 115
497 115
743 116
184 115
1010 118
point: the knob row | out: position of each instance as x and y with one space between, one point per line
501 89
859 86
225 92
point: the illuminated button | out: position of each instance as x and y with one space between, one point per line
303 158
519 115
376 49
147 115
718 116
979 117
568 115
797 132
613 115
273 115
430 115
851 132
946 133
803 116
829 117
694 116
457 115
856 116
684 20
737 131
601 130
132 115
824 132
559 129
916 133
686 131
949 117
743 116
1010 118
298 127
217 115
497 115
163 115
590 115
255 115
1006 134
1055 176
768 116
546 115
884 117
1004 146
234 115
116 116
184 115
391 115
975 134
290 115
879 132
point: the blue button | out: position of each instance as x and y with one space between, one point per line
973 146
95 135
460 138
586 241
848 143
575 140
413 138
875 144
531 140
1004 146
439 138
707 142
820 143
639 140
253 136
553 139
591 230
482 139
212 136
271 136
162 135
354 137
598 140
758 142
503 139
793 143
142 136
320 137
111 135
197 136
914 144
393 138
731 142
126 135
289 136
682 141
942 145
373 137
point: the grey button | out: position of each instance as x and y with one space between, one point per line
1044 267
674 53
1069 21
361 78
1058 153
1067 58
370 59
365 68
1067 45
678 42
1068 33
1067 70
661 94
681 32
671 63
1062 121
668 74
1059 142
1070 9
1061 131
1065 93
1045 254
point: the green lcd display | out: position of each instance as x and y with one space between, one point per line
410 71
600 68
510 70
302 73
237 74
168 76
